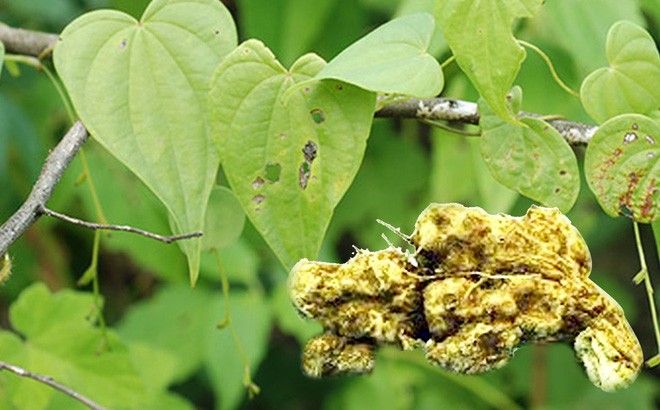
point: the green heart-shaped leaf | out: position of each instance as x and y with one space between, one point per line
622 167
289 163
479 34
631 84
392 59
532 158
140 89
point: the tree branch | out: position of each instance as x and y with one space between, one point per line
56 162
52 383
447 109
28 42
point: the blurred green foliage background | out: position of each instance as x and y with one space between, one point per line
150 305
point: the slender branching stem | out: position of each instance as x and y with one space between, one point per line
251 387
52 383
123 228
547 60
643 275
448 61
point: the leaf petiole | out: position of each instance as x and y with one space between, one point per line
37 65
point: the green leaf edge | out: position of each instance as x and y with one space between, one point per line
609 45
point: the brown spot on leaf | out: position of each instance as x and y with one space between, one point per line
257 199
647 210
625 200
258 183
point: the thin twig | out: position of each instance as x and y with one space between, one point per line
52 383
56 162
123 228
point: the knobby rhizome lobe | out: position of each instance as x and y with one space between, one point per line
476 287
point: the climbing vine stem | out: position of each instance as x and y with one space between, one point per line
448 61
643 275
550 66
251 387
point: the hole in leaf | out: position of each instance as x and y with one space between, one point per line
309 150
635 126
649 139
317 115
339 87
273 172
123 44
304 174
562 172
217 32
629 137
257 199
